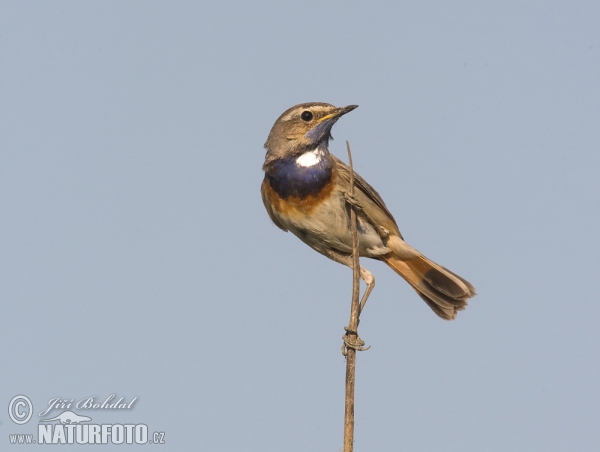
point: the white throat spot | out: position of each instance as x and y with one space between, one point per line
310 158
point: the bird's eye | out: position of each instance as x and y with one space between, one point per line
306 115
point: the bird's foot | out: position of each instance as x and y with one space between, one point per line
360 211
355 343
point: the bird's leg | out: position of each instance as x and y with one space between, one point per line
358 344
360 211
365 274
369 280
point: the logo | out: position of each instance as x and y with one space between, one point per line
68 417
20 409
70 427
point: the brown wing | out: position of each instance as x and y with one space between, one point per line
368 197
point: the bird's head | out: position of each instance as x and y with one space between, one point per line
303 127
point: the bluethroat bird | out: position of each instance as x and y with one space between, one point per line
306 191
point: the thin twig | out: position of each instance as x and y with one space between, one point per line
351 330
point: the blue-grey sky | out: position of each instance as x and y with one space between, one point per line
138 260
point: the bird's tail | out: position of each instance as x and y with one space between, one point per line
445 292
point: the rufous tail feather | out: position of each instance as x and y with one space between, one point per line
445 292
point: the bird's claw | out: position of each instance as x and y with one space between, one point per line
351 199
354 202
356 344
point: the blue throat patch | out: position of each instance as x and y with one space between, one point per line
288 178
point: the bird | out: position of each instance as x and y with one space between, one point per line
306 191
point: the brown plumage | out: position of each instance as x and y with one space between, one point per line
444 292
297 157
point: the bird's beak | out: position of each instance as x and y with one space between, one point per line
339 112
322 130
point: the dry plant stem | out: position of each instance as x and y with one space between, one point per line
351 330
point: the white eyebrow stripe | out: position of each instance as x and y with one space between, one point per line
297 112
